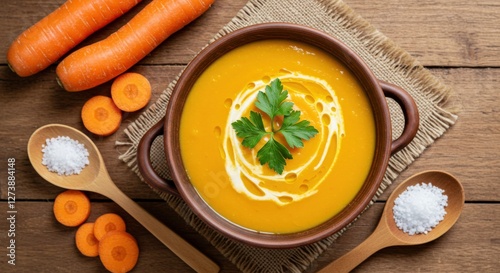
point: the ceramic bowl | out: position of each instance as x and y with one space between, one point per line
376 90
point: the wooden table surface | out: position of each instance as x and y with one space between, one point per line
458 40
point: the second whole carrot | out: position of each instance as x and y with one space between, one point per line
49 39
102 61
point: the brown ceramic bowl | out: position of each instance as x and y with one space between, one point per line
376 90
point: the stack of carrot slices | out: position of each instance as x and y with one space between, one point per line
102 115
106 237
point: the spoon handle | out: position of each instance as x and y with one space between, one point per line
185 251
376 241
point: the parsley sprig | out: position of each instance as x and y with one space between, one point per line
251 130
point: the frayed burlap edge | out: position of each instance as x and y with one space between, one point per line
380 53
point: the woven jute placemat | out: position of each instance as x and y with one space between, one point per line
388 62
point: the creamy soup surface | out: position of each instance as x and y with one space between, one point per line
323 176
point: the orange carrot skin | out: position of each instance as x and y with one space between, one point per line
53 36
104 60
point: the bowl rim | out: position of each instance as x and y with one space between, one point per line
307 35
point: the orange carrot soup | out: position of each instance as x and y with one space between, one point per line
323 176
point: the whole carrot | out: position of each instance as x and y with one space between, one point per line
50 38
102 61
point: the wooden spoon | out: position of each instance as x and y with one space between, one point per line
388 234
95 178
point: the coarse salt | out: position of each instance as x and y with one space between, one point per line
64 156
420 208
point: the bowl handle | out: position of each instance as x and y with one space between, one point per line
144 160
410 113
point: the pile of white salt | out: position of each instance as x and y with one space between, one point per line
420 208
64 155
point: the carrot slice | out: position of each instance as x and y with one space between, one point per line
101 116
118 251
104 60
131 91
71 208
106 223
50 38
85 240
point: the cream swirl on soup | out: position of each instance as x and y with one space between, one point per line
247 176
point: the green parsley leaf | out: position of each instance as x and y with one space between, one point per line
295 131
274 154
272 102
251 130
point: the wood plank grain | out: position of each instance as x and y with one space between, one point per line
26 112
177 49
472 245
469 150
458 33
458 38
40 242
439 32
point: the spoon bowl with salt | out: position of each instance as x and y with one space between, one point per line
387 233
95 178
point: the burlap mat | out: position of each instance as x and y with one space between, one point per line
387 61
